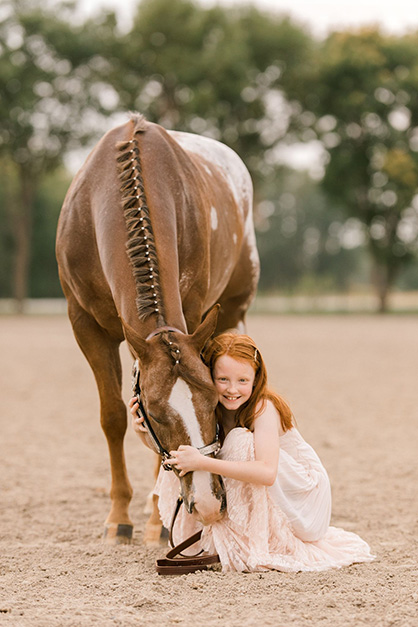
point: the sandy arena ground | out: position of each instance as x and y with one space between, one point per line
352 382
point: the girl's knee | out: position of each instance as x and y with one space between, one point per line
238 445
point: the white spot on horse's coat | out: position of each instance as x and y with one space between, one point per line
186 281
213 218
252 246
235 237
181 401
230 165
241 327
207 170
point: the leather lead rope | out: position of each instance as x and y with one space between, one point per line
170 532
173 565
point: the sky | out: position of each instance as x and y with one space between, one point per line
321 17
395 16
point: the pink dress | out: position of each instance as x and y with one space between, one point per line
284 527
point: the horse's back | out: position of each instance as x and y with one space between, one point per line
91 233
224 159
225 180
199 194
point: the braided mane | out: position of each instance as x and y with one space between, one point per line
140 246
187 374
168 339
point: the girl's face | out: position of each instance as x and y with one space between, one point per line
234 380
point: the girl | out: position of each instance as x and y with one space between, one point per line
278 492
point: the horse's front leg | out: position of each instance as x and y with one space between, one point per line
154 526
102 353
118 525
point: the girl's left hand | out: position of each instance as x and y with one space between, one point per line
137 421
185 459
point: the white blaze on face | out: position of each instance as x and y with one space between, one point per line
181 401
213 218
207 505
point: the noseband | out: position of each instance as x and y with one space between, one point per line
141 412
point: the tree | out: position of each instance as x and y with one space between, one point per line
304 239
218 72
365 96
43 270
51 101
8 191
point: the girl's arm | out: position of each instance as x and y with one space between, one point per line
262 470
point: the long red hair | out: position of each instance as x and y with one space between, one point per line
243 348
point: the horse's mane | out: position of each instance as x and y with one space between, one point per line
141 242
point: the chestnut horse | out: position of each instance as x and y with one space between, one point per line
155 229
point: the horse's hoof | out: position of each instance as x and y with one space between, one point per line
115 533
152 534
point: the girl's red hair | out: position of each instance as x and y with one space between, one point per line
243 348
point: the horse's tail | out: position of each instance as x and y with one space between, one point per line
141 242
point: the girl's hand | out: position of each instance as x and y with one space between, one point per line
186 459
137 421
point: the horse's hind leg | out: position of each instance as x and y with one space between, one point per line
232 313
236 299
102 353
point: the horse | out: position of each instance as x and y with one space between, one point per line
156 228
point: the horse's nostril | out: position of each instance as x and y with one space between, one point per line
220 492
223 503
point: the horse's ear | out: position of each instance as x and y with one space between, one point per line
135 340
206 328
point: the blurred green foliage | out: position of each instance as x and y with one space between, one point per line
306 243
252 79
366 101
43 279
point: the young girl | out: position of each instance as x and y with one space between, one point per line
278 492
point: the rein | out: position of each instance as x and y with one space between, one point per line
143 414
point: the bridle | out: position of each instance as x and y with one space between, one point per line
208 449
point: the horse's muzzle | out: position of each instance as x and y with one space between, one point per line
205 497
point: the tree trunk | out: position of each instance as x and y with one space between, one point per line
383 276
23 223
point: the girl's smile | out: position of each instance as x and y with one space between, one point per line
234 381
